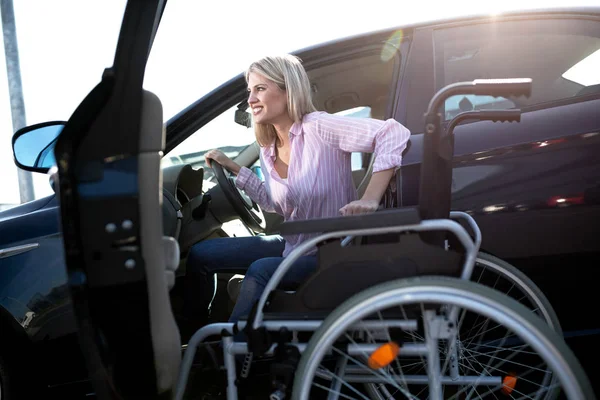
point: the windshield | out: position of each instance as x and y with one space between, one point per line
221 132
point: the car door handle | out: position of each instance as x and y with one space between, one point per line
13 251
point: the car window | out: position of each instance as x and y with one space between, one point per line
222 132
561 56
454 105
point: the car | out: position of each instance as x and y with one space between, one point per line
533 187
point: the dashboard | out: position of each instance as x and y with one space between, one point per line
183 182
184 190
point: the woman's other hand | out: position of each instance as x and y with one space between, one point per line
220 157
360 207
372 197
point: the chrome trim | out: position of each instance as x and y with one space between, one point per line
13 251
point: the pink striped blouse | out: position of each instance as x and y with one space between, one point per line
319 180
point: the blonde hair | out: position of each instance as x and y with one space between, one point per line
289 74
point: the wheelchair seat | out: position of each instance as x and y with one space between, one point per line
343 271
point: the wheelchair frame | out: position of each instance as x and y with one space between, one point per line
437 221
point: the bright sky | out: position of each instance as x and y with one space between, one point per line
64 45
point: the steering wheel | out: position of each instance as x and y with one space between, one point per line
250 212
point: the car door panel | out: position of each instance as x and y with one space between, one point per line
34 292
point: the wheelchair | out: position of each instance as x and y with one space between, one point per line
407 319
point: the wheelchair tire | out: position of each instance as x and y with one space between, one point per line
466 295
516 284
536 298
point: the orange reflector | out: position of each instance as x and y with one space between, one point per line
508 384
384 355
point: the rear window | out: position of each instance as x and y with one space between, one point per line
561 56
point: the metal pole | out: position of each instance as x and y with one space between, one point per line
15 88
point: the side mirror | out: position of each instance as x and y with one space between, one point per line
33 146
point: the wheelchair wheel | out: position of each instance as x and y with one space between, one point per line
498 274
437 337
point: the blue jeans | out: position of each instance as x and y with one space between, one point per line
256 256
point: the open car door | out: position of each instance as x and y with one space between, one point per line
108 180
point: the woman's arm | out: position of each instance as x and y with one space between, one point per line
256 190
385 139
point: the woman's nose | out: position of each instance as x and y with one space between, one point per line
252 98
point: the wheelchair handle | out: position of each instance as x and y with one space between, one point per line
503 87
492 115
485 115
436 167
485 87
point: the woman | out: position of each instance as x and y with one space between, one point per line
305 157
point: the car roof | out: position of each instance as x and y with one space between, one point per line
464 18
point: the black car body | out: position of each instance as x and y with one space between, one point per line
533 186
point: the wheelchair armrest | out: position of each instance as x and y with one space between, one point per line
383 218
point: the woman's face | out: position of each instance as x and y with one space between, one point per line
267 101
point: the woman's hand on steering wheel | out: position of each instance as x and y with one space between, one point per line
222 159
249 211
